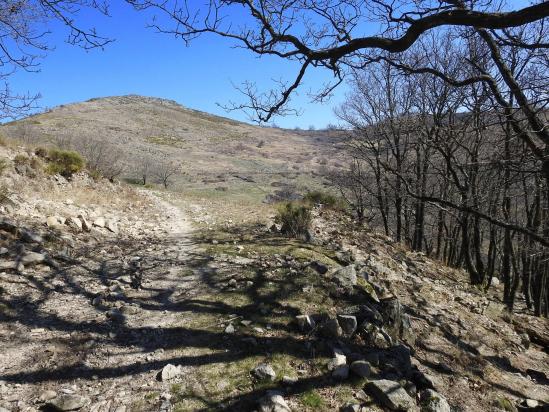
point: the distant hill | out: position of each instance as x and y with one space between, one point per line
210 148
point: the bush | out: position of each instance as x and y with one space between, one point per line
41 152
317 197
64 162
295 219
20 160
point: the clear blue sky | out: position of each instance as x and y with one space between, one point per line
143 62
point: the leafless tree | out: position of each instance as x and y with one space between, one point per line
102 157
25 26
326 33
164 171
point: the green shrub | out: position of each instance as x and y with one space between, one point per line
64 162
323 198
295 219
312 399
20 160
41 152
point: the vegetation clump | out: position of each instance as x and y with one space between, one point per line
295 219
64 162
325 199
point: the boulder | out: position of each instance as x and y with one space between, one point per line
432 401
339 359
273 401
290 380
391 311
170 372
86 226
264 372
99 222
31 237
345 277
111 226
369 289
348 324
390 394
351 407
32 258
47 395
345 256
68 402
230 328
74 223
361 368
341 372
331 329
374 336
54 221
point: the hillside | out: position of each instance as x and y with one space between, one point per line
222 162
121 298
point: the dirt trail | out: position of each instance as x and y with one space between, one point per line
85 330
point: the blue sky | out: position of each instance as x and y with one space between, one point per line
143 62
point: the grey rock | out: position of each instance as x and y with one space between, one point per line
348 323
391 310
361 368
341 372
273 401
47 396
331 329
115 314
264 372
31 237
305 323
432 401
112 226
68 402
8 226
170 372
232 283
407 334
352 407
32 258
86 226
99 222
54 221
290 380
74 223
339 359
374 336
345 277
230 328
345 256
390 394
3 251
531 403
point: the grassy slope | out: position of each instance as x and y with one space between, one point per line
216 152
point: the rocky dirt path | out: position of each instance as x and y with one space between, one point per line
95 332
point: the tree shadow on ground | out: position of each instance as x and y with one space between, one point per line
203 291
